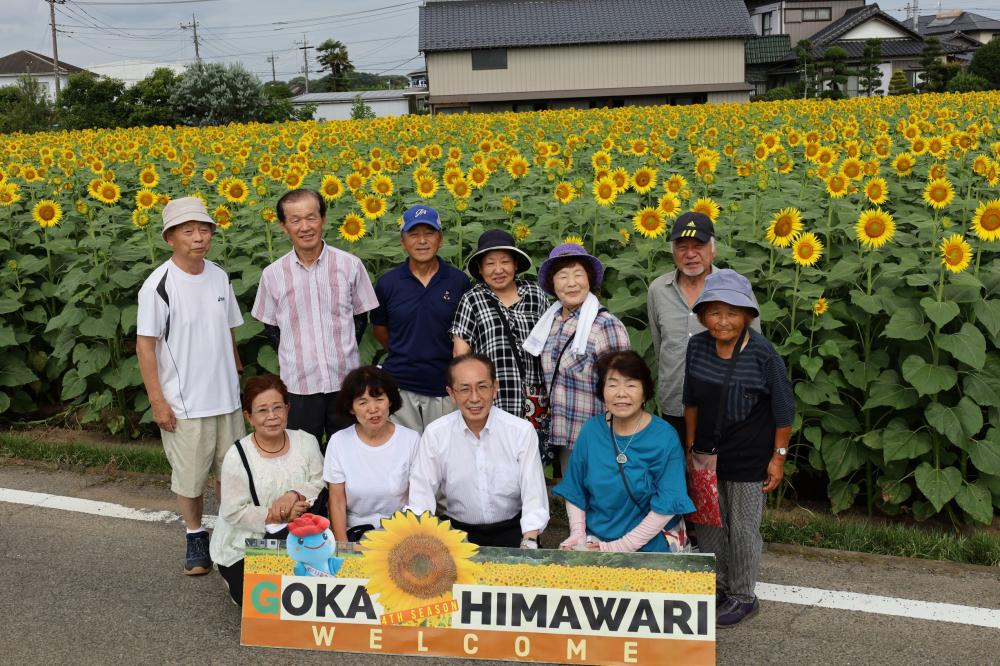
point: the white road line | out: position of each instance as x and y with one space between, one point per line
789 594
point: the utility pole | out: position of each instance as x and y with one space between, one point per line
271 58
305 57
55 46
193 27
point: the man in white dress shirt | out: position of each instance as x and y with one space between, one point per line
481 463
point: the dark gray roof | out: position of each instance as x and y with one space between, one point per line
23 62
771 48
852 19
948 22
452 25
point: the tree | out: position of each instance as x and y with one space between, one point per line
934 77
333 56
149 99
88 102
898 85
278 105
967 82
216 94
869 74
360 110
986 63
807 67
834 72
781 92
24 107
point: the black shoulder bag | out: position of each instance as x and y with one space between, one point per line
535 398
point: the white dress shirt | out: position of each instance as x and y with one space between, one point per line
481 480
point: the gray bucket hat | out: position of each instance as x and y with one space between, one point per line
727 286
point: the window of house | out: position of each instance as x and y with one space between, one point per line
489 59
817 14
766 25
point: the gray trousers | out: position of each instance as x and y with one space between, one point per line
418 411
737 544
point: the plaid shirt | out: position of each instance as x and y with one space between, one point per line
572 400
478 323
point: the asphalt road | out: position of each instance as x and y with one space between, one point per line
86 589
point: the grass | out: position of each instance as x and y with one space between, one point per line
864 536
816 530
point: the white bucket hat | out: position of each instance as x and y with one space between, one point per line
185 209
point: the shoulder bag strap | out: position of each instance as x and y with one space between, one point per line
509 333
621 467
246 466
720 417
555 371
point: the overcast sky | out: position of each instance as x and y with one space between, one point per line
381 35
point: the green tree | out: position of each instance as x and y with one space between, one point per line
967 82
934 77
216 94
781 92
834 72
986 63
334 57
807 67
278 105
91 102
869 74
360 110
24 107
898 85
149 99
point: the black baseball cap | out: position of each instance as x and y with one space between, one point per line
693 225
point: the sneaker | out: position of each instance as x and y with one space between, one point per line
197 561
721 597
736 611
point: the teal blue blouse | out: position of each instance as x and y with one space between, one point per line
655 473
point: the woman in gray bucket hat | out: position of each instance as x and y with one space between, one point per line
738 411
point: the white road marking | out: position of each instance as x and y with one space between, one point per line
789 594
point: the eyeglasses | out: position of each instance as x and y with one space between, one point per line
465 390
264 412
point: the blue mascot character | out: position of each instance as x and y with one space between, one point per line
311 544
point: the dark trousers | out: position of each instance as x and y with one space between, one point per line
233 575
678 423
316 414
505 534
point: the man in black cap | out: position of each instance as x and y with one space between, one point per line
672 322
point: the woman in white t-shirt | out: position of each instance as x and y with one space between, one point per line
368 465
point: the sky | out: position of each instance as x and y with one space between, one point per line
381 35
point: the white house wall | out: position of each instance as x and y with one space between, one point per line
874 30
342 110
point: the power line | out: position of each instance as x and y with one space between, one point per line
149 2
193 26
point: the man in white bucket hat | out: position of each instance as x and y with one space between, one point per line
189 364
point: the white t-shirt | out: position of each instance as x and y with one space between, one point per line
377 478
194 358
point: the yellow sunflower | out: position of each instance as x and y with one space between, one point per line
382 186
621 179
518 167
46 213
675 184
139 218
508 204
574 240
643 180
956 253
145 199
331 188
233 190
223 217
877 191
373 207
521 231
293 179
785 227
852 168
708 207
478 176
605 192
903 164
670 205
807 249
355 181
938 193
875 228
460 188
148 177
565 192
415 561
353 228
986 221
10 193
650 222
209 175
107 192
427 187
836 186
600 160
820 306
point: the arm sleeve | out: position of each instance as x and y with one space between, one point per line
235 316
782 394
613 337
333 467
380 316
534 498
151 314
463 325
687 396
654 321
670 496
650 527
363 292
236 506
425 478
313 483
264 306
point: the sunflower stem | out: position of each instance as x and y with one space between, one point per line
48 254
149 242
593 242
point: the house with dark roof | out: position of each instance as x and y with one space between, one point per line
950 25
504 55
39 67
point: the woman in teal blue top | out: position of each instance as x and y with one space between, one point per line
624 486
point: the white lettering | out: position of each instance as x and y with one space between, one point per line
469 639
522 646
323 635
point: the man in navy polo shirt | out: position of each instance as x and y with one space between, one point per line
417 303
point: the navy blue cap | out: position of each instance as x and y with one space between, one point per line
421 215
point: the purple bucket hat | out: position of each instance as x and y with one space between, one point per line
728 286
569 250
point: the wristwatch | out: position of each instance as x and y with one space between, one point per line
529 543
781 451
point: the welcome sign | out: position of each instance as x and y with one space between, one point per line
418 588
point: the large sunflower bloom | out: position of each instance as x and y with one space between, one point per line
382 186
785 227
956 253
939 193
820 306
670 205
518 167
708 207
903 164
234 190
605 192
415 561
427 187
986 221
373 207
836 185
353 228
331 188
107 192
807 249
145 199
650 222
148 177
877 191
565 192
875 228
46 213
10 193
643 180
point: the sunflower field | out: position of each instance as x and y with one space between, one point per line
869 228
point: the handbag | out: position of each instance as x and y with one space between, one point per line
703 478
675 531
320 506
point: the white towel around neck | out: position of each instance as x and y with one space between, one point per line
535 341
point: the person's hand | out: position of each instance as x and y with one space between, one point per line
300 507
572 541
593 544
775 472
689 457
164 416
282 506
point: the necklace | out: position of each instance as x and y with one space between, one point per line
284 442
621 458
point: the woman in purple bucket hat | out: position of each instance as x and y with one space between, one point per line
569 338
